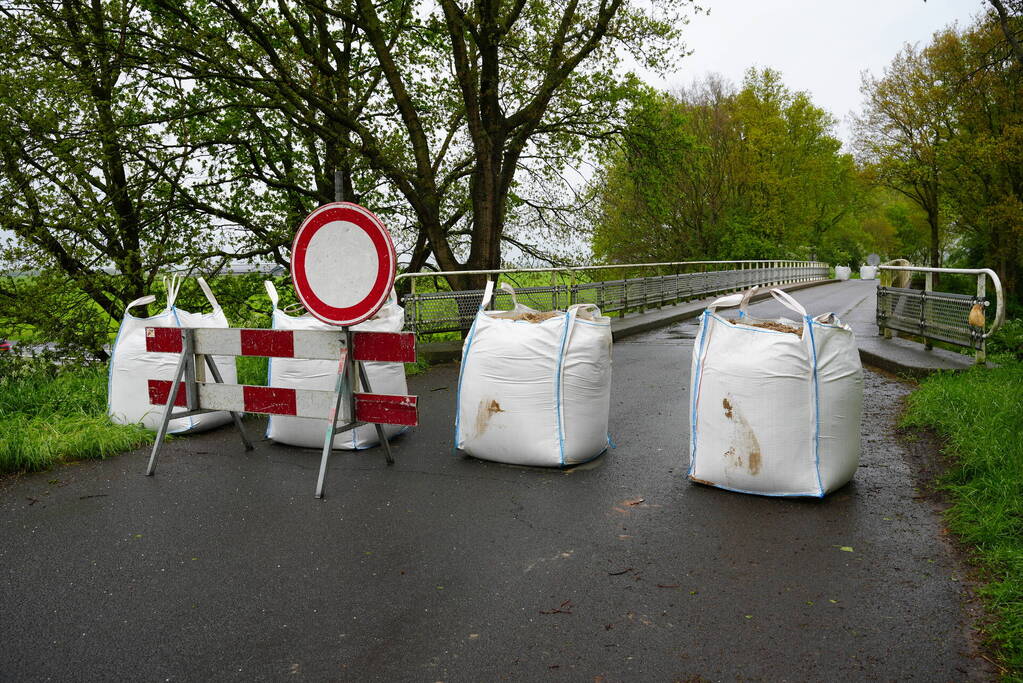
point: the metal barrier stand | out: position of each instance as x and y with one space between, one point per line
957 319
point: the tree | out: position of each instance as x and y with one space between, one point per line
982 162
88 184
1009 15
900 136
719 173
468 94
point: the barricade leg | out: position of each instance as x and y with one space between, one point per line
380 428
161 433
341 392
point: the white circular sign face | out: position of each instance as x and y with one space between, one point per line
342 263
341 282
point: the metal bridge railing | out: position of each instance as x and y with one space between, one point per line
614 288
958 319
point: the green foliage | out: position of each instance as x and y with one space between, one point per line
88 172
1008 340
716 172
979 413
51 413
944 128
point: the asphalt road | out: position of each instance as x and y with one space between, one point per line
444 568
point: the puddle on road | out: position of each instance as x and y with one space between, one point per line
683 333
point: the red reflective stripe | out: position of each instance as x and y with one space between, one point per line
272 400
275 343
163 339
159 390
396 347
385 409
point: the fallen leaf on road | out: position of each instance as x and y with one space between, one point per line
563 608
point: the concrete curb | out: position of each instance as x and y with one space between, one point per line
910 359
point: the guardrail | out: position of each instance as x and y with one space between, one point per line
637 286
958 319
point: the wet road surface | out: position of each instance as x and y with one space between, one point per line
445 568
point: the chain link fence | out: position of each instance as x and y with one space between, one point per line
431 308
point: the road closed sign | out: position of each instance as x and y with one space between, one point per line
342 263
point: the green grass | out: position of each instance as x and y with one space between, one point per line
980 415
51 414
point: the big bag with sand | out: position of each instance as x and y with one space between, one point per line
131 366
535 387
775 405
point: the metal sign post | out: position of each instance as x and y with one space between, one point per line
343 265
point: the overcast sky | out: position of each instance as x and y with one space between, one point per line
820 46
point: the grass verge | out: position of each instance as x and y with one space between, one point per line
51 414
980 413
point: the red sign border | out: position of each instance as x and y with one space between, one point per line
387 258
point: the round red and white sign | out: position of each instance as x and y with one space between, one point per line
342 263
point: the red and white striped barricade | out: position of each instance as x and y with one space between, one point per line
351 404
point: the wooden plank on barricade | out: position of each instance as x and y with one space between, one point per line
242 398
311 403
312 344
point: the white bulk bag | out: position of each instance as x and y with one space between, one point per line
303 373
773 412
535 393
868 272
842 272
131 366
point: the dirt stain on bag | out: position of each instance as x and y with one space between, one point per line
745 451
488 408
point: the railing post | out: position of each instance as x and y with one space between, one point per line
881 299
660 288
625 292
925 308
643 296
980 358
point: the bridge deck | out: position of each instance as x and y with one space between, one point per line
853 300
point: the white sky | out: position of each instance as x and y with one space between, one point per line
818 46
